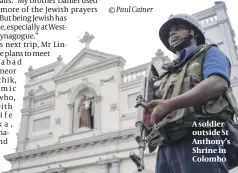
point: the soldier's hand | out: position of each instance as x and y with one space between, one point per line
159 109
146 115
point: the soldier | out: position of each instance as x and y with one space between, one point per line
196 89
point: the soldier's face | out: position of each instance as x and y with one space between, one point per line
176 33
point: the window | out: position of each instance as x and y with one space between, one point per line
41 124
131 100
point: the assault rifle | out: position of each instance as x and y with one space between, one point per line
146 95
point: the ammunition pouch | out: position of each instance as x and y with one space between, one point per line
172 133
175 131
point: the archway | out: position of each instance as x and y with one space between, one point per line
84 99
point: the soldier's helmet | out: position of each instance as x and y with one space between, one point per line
181 19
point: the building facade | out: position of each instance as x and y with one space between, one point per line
80 117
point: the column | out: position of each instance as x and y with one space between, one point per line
24 125
72 118
104 168
23 133
97 116
115 166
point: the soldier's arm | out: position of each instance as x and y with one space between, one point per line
216 71
208 89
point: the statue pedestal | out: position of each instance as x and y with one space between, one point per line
83 129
